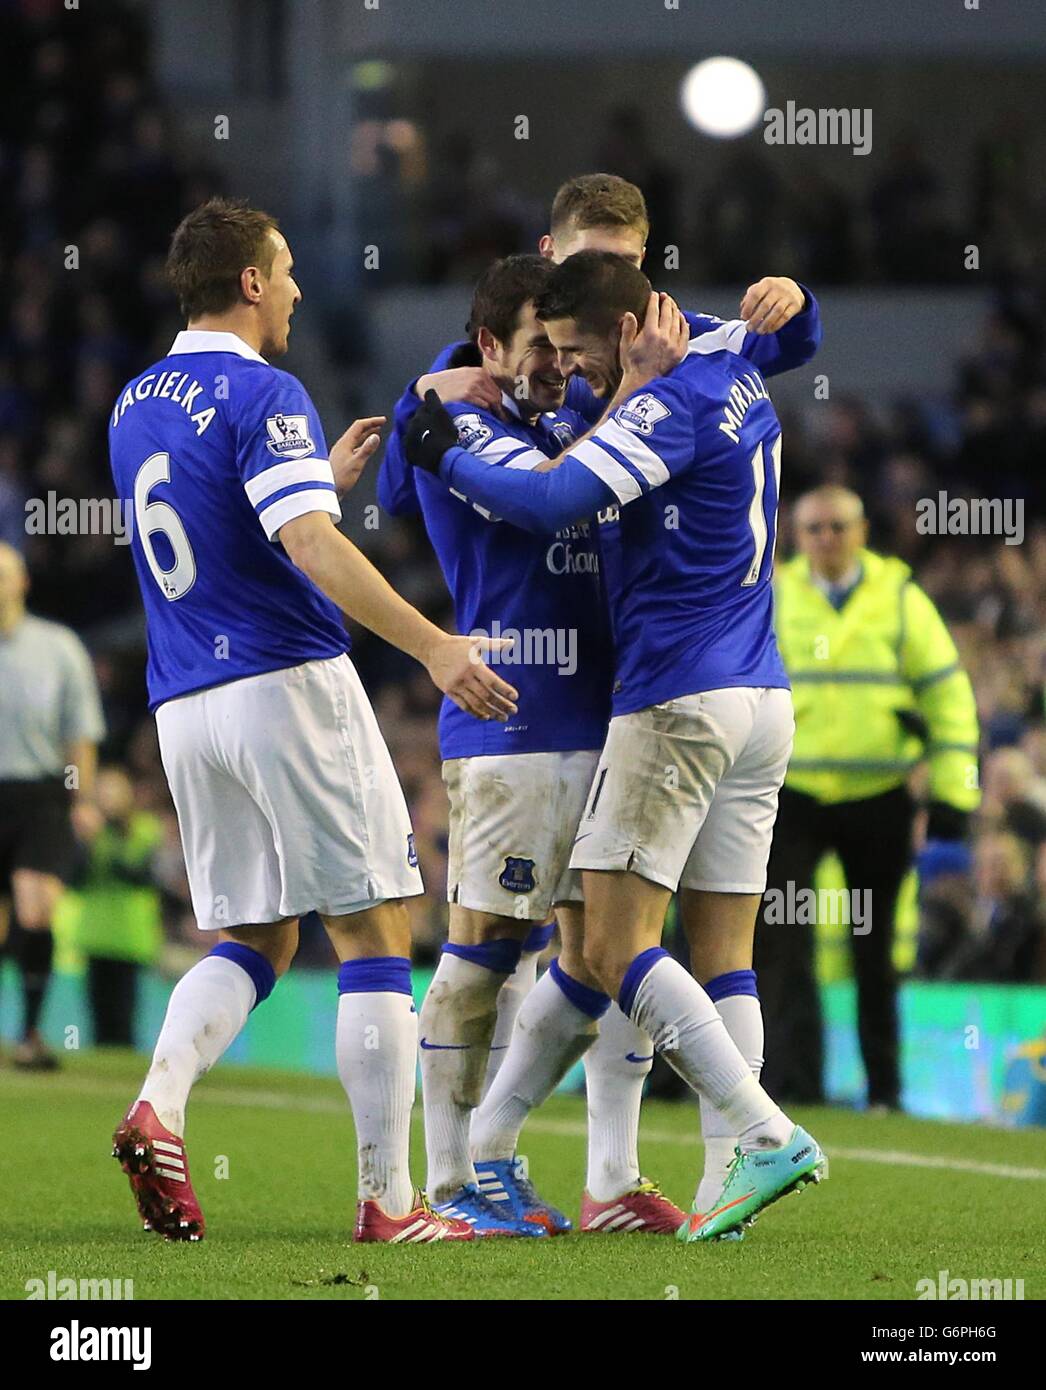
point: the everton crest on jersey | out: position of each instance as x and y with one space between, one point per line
563 432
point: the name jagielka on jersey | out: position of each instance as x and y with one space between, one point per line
167 386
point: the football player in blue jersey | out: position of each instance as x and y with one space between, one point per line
286 796
516 792
779 327
780 330
684 477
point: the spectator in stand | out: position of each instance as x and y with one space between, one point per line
90 166
945 894
114 914
739 215
1014 797
911 236
1039 886
625 149
997 937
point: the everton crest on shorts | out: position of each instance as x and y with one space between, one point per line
517 875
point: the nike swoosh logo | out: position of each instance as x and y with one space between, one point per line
631 1057
444 1047
699 1219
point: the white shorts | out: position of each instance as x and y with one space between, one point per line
686 792
513 818
286 796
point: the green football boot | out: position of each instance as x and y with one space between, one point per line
754 1180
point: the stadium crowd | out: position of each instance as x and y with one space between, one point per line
902 230
95 182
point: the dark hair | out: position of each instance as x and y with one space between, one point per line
211 247
599 200
501 292
594 288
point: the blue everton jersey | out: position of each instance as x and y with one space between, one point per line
684 480
543 592
215 450
694 463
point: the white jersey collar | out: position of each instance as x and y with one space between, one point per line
210 340
512 406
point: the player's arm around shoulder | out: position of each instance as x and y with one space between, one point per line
569 488
771 302
645 441
779 328
455 376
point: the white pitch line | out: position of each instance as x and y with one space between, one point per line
568 1129
891 1157
953 1165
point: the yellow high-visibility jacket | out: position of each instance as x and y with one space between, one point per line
877 687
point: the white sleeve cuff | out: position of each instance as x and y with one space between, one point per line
281 475
313 499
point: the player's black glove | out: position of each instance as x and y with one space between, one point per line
429 435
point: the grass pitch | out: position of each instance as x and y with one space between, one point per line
906 1199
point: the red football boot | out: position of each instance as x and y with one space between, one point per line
419 1227
645 1209
156 1162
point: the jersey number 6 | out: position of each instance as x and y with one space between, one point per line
151 517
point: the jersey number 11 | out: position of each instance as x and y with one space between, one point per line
756 514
